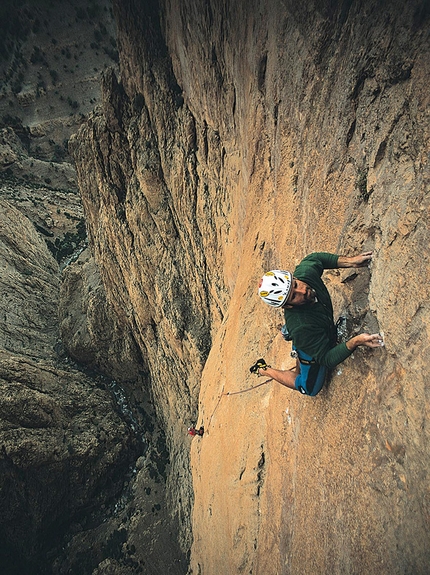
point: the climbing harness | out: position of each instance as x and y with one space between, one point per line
295 355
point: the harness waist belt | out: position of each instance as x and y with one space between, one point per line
306 362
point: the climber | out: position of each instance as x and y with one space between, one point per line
309 323
193 431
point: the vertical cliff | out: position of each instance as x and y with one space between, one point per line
239 137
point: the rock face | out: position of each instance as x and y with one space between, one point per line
61 439
241 137
83 465
84 462
88 328
237 137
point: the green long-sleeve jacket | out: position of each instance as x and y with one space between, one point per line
311 326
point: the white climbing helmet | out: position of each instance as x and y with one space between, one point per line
275 287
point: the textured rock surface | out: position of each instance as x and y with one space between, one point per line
238 137
242 137
29 283
70 501
62 442
73 495
88 328
51 57
135 534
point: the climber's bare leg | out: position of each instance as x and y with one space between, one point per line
286 378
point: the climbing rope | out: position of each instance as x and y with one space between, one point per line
249 388
228 393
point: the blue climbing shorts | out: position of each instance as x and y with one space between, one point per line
312 375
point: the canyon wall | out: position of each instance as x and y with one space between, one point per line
62 442
83 460
240 137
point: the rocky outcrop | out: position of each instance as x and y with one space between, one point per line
83 460
240 137
29 280
89 331
16 162
62 442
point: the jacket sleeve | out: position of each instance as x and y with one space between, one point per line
336 355
315 343
321 260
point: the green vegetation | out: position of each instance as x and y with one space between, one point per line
38 56
63 248
54 76
72 103
361 184
15 26
90 13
